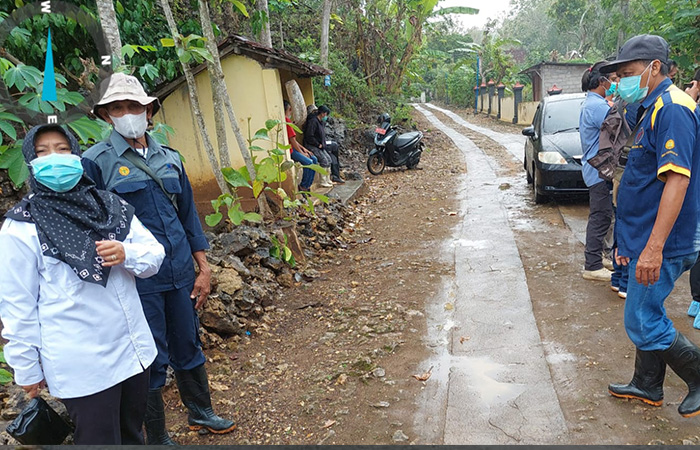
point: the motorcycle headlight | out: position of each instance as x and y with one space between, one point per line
551 158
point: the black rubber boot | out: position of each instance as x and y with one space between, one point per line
684 358
155 420
647 383
194 391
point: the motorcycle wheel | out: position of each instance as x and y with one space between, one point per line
376 164
413 163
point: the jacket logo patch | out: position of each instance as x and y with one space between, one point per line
670 145
123 171
640 135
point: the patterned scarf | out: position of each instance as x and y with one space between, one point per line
69 223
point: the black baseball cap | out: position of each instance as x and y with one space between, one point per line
645 47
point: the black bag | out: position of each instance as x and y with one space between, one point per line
39 424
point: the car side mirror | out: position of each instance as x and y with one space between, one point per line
530 132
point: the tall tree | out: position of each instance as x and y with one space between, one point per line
194 98
325 29
110 27
265 35
223 106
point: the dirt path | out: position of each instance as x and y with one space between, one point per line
335 365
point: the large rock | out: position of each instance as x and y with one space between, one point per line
228 281
220 318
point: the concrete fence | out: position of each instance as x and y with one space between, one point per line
494 103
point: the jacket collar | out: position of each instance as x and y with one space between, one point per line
120 144
660 89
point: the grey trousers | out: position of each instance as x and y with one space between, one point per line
324 159
599 219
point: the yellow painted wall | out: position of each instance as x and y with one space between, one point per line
255 93
526 111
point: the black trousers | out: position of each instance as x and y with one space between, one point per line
695 281
599 218
332 150
113 416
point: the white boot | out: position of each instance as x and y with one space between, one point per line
326 179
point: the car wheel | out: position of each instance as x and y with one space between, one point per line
528 177
539 198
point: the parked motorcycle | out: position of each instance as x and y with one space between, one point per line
393 149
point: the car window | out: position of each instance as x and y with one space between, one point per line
562 116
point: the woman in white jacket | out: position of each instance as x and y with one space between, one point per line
68 299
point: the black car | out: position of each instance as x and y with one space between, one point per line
553 148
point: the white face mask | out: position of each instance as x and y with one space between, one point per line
132 126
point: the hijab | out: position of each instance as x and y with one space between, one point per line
69 223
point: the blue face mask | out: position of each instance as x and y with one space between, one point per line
629 89
612 89
325 118
58 172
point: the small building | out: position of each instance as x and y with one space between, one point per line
255 77
563 77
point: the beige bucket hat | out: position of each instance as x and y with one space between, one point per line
121 86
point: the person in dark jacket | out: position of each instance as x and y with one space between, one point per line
152 178
315 140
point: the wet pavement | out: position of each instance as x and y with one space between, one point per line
522 347
488 355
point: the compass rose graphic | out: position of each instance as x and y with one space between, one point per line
49 92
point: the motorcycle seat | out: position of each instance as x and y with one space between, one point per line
407 139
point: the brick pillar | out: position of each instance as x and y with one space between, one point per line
482 91
518 97
501 93
492 91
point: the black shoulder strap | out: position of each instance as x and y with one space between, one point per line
139 162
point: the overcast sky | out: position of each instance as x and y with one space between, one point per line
487 9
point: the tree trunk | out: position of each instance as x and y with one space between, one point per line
222 101
194 100
624 4
265 36
281 36
110 27
325 28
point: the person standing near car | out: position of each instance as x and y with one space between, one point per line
658 228
152 178
593 112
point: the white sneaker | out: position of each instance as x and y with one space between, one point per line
608 264
615 288
622 294
597 275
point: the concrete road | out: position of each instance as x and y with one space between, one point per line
494 384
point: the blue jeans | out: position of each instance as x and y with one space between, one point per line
646 322
620 275
307 178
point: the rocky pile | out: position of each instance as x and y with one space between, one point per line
246 280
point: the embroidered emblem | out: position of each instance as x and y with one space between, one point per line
670 144
84 273
123 171
640 135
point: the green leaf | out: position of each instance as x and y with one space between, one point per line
5 377
201 54
213 219
287 165
119 7
316 168
258 186
148 71
167 42
287 253
236 215
240 7
255 148
321 197
89 131
2 357
261 134
252 217
284 146
8 129
277 152
234 177
294 127
271 123
267 171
